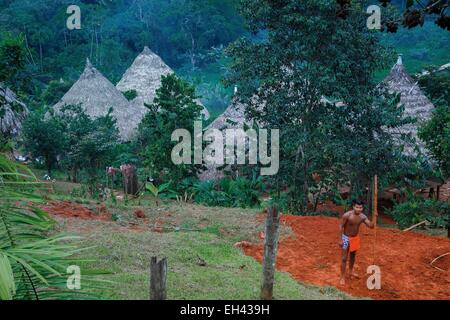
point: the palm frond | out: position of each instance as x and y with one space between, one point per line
33 265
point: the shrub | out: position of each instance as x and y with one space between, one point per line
130 94
207 193
417 209
240 192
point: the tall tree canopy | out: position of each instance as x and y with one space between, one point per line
291 80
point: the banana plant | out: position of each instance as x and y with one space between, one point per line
157 191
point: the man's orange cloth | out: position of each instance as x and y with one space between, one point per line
355 243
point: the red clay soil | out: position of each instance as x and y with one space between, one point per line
313 256
74 210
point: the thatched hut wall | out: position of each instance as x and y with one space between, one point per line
12 112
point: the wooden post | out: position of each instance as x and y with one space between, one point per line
270 252
374 214
130 180
158 275
375 199
448 229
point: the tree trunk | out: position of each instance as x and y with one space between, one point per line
130 180
48 164
158 276
316 202
270 252
74 174
305 187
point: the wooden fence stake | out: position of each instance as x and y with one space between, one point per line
270 252
158 275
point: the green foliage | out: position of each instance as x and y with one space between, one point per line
54 92
244 192
208 193
130 94
417 209
318 57
182 32
33 265
436 85
240 192
115 217
90 142
436 134
158 191
174 107
420 46
44 136
12 56
71 136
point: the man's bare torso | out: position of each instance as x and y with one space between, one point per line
351 227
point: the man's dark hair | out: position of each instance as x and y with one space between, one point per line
357 202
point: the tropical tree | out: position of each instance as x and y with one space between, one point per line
175 107
91 143
44 137
312 77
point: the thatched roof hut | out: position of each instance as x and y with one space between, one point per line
232 118
144 76
416 104
97 95
12 112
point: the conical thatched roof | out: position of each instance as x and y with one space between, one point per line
12 112
415 102
232 118
97 95
144 76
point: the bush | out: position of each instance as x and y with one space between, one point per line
130 94
208 193
240 192
417 209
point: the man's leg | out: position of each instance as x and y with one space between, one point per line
352 263
343 265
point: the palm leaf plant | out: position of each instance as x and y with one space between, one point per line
33 263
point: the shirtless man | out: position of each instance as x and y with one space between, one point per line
349 239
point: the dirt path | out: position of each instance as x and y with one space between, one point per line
313 256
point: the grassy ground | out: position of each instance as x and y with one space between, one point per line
198 241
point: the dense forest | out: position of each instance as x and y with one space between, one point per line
189 35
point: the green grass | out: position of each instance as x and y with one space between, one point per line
228 273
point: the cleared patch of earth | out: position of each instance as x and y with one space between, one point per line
312 255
